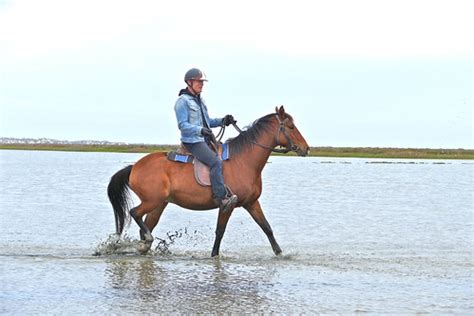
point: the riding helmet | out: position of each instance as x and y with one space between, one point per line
195 74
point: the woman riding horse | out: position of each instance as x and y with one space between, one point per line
194 124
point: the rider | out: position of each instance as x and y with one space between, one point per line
195 126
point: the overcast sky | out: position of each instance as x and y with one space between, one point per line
352 73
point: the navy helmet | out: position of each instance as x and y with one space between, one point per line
195 74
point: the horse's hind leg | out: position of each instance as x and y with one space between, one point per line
256 212
152 219
137 214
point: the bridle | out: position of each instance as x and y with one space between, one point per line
281 130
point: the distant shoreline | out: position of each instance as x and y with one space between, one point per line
347 152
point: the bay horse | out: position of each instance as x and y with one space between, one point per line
158 181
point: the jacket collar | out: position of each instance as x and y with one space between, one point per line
186 91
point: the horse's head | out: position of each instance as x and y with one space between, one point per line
288 135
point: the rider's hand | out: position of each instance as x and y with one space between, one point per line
228 119
206 131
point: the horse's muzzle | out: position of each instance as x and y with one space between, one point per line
300 152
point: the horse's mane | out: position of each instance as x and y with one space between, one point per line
249 136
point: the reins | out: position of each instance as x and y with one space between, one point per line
281 129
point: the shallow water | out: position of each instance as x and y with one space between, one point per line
357 235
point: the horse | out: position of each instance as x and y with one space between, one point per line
158 181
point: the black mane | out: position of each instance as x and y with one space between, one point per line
249 136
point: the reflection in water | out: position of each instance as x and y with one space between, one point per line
188 285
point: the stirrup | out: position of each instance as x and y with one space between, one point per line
228 203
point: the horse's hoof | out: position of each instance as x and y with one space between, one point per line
143 246
277 251
149 238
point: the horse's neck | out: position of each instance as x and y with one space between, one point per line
257 156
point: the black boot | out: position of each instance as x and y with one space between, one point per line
228 203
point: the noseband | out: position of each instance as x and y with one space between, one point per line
282 130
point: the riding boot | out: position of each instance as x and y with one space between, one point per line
227 203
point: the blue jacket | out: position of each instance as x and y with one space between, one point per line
190 119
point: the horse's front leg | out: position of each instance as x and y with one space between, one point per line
222 221
256 212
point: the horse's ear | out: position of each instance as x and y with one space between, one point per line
281 111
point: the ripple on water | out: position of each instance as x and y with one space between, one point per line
356 237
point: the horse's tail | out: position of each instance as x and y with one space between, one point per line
119 197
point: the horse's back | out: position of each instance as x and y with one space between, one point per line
152 160
151 157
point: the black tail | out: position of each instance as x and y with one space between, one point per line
119 196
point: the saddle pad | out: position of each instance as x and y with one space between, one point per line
188 158
174 156
225 155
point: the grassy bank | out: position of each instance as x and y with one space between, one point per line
356 152
410 153
132 148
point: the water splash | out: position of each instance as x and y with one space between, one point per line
116 245
163 245
126 245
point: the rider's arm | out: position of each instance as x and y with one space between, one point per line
216 122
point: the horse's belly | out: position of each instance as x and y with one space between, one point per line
190 205
191 196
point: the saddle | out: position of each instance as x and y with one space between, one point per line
201 171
